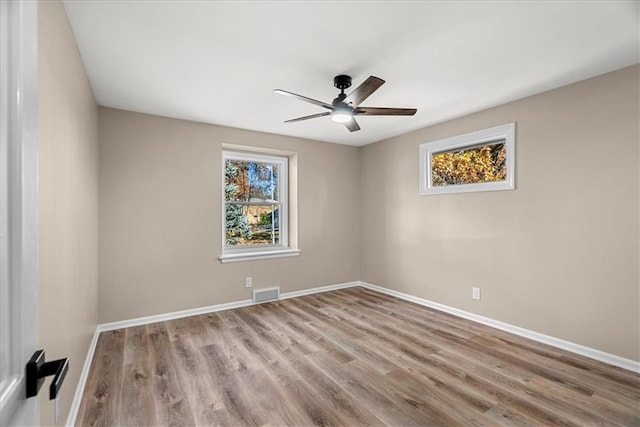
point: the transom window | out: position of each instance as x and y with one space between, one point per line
255 213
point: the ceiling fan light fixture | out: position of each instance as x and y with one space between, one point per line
344 108
341 115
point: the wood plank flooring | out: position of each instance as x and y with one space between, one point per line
347 357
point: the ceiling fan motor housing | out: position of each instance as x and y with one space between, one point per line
342 82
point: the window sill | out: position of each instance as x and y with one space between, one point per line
253 256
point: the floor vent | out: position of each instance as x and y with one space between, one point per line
264 295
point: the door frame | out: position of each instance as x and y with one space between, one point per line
19 84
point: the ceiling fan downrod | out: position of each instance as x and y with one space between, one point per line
342 82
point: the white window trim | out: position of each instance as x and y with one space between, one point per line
504 132
265 251
254 256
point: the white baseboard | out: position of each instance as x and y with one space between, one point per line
592 353
611 359
171 316
318 290
82 381
213 308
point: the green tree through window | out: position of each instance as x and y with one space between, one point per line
253 200
237 226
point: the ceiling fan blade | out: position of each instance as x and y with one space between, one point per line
303 98
352 125
312 116
363 91
377 111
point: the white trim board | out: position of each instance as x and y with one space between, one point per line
213 308
318 290
601 356
103 327
82 381
582 350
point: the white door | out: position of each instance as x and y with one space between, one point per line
18 207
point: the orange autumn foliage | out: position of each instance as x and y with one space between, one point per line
470 166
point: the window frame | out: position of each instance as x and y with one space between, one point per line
479 138
260 251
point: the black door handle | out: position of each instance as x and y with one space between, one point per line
37 369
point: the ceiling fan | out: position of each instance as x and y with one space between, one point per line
344 108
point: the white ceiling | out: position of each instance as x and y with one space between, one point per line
218 61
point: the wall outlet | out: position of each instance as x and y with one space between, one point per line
248 282
475 293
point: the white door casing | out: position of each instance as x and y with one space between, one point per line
18 207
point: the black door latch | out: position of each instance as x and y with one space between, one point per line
37 369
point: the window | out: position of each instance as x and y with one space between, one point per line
477 161
255 206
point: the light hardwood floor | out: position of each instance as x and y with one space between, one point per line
348 357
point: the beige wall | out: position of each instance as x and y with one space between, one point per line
68 202
160 216
559 255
